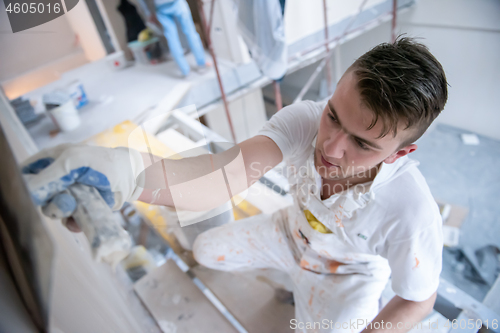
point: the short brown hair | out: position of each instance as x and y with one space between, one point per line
401 82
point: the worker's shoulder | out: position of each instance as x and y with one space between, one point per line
299 121
408 201
304 108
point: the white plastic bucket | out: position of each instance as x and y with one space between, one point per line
65 116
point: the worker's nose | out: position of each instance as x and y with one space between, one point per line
335 145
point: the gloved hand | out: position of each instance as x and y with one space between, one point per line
112 171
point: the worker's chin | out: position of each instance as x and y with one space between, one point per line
329 173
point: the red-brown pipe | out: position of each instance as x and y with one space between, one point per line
394 20
327 47
212 53
210 20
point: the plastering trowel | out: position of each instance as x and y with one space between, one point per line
109 242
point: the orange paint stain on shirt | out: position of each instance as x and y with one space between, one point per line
312 296
333 266
238 252
279 240
297 234
221 258
304 263
338 221
417 263
252 243
321 292
324 252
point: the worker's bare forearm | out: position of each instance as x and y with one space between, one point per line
399 312
195 183
206 181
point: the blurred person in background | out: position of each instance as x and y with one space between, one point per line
166 13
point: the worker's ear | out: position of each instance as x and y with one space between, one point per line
400 153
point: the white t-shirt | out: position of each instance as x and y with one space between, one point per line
400 223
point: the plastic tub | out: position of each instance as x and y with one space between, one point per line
65 116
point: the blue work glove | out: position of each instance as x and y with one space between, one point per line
112 171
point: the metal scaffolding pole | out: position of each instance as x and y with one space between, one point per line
327 47
327 57
212 6
394 20
212 53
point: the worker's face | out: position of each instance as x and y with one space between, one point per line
345 148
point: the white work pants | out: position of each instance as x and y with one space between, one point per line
328 302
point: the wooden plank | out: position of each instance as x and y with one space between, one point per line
177 304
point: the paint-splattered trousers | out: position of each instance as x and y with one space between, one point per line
324 302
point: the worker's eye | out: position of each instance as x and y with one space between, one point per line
362 145
332 117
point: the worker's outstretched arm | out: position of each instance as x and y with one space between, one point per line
207 181
122 174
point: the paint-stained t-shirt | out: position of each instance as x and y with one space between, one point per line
401 222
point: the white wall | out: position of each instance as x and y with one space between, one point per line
248 115
224 32
82 23
26 50
303 18
465 37
87 296
37 56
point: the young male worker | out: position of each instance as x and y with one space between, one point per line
362 211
